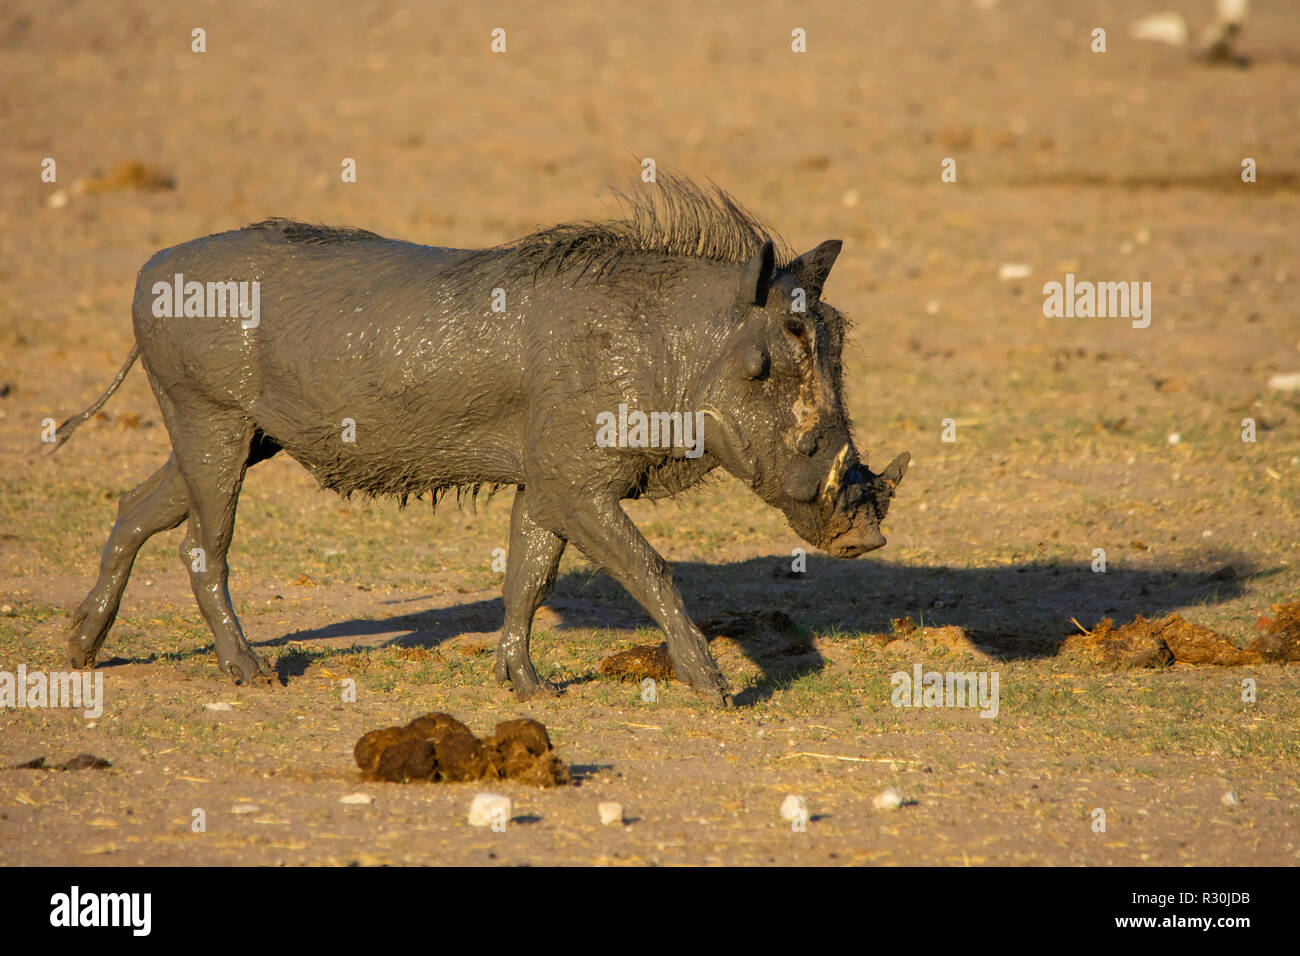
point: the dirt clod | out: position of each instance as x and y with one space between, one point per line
439 748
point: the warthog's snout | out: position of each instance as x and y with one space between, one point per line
856 501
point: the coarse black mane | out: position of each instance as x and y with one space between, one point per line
671 218
312 235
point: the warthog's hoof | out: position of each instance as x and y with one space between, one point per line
83 648
714 688
80 654
716 695
703 677
247 669
526 689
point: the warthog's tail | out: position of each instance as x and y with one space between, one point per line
64 431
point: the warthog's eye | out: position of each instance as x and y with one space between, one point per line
794 327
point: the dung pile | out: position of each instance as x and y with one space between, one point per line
639 662
1280 642
911 641
759 634
79 762
439 748
1163 641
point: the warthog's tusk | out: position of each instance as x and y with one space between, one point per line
835 476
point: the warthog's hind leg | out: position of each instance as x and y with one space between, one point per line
530 572
213 448
158 504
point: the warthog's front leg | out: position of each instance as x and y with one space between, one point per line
530 573
607 535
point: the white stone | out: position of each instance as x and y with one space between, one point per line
486 808
1285 383
219 705
890 799
1014 270
794 808
610 812
1165 27
242 808
357 799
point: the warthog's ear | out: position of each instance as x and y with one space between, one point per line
756 276
810 270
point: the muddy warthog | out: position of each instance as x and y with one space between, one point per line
390 368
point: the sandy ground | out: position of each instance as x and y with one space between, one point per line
1071 434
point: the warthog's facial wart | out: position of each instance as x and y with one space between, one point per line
779 406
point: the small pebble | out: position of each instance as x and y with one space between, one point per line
794 808
1009 271
219 705
890 799
357 799
610 812
486 807
242 808
1230 799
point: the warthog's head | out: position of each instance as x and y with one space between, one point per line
776 408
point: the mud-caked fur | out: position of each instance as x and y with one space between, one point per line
384 368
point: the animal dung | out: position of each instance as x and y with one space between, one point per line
638 663
1162 641
1133 645
1280 642
79 762
761 634
489 808
440 749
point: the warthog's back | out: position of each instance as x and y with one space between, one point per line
345 348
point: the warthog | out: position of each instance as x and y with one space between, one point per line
396 369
